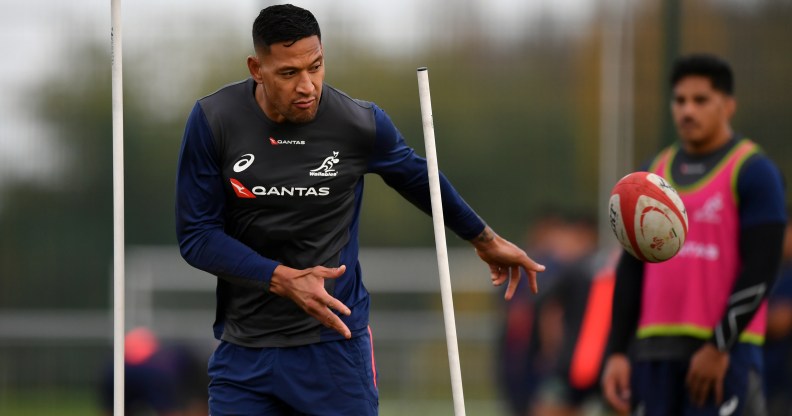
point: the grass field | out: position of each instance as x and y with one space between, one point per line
49 402
84 403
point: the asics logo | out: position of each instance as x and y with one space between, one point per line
244 162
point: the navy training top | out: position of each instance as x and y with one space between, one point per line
252 194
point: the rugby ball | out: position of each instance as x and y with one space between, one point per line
648 217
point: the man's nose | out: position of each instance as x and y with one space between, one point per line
304 84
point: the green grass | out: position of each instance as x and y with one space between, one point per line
438 408
61 402
76 402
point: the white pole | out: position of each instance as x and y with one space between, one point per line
118 209
628 101
616 105
610 113
440 242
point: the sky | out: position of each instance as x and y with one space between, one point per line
37 36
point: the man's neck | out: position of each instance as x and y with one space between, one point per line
708 146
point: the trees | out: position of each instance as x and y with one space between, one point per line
516 127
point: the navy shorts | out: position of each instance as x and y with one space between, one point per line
659 388
323 379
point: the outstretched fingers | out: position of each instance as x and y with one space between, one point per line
322 308
498 274
514 280
335 304
531 268
332 321
510 270
323 304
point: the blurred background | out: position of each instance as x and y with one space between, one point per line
539 107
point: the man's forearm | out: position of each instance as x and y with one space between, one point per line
760 250
484 237
626 303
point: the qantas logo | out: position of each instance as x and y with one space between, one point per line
240 189
275 142
242 192
326 168
244 162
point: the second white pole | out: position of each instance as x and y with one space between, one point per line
118 209
440 242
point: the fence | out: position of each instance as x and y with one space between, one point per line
47 350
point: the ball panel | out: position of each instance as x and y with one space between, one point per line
660 233
648 217
672 199
622 229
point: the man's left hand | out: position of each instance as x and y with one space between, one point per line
706 373
504 260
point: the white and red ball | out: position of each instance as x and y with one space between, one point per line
648 217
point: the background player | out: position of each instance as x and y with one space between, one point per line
281 234
161 378
700 317
778 347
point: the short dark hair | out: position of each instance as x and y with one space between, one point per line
283 23
710 66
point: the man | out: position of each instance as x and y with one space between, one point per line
700 316
778 346
269 188
160 379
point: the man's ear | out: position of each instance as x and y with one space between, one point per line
254 66
731 106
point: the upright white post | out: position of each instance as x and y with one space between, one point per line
118 209
440 242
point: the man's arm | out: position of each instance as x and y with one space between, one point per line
626 307
762 214
760 251
625 312
406 172
403 170
200 207
505 260
760 190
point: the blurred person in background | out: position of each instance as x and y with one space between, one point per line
534 335
694 325
778 345
268 197
160 379
521 359
585 294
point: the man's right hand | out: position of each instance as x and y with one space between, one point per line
306 288
616 382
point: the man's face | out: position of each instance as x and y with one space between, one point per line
701 113
290 79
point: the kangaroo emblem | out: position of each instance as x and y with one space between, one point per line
328 163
